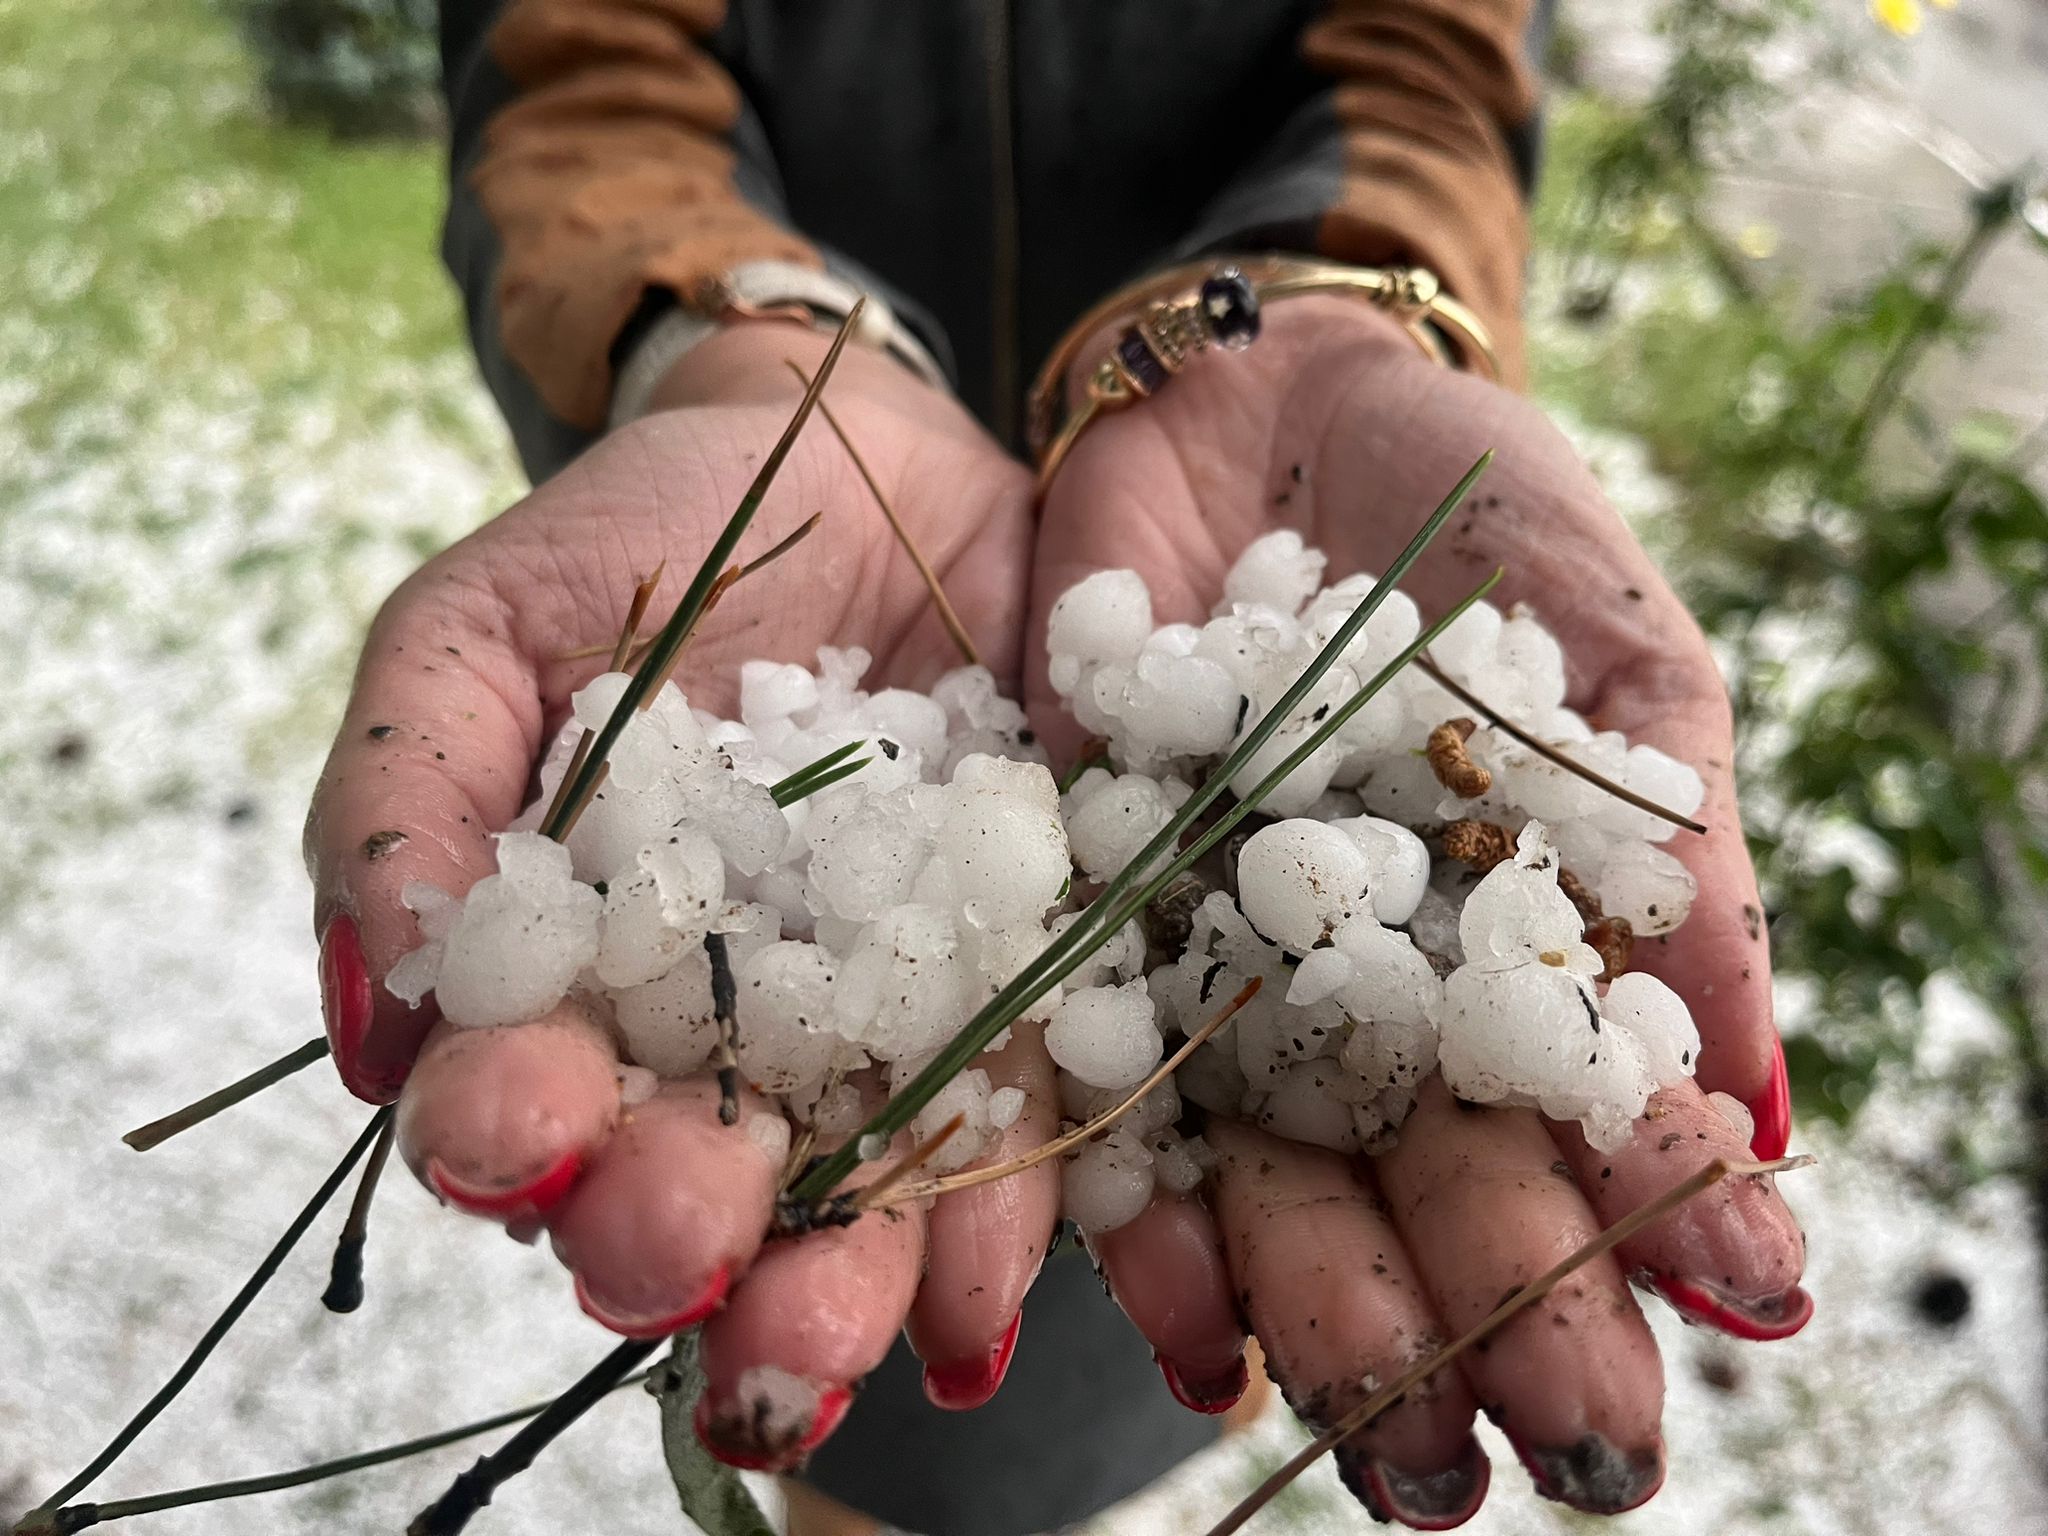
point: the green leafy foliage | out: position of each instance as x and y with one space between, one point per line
1874 585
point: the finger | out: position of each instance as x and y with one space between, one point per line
1339 1309
1719 960
987 1242
813 1316
1635 659
1731 1256
500 1122
1485 1205
1167 1271
671 1209
433 754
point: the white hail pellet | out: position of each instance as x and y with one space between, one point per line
1299 880
1108 1183
1105 1036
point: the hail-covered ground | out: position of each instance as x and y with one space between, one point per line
222 441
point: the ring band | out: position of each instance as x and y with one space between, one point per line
1188 309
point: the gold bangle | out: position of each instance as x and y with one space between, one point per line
1189 308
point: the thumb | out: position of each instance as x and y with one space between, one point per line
434 753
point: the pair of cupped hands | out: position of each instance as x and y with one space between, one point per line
1347 1269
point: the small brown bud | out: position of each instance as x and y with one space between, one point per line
1613 938
1480 844
1452 764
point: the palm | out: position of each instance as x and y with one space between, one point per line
1333 425
658 1210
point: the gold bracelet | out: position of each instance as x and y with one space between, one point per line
1190 308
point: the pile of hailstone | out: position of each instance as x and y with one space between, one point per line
865 925
1382 958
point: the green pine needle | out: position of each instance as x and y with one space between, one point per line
800 784
668 642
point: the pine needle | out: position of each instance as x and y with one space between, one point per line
143 1137
820 774
877 1193
725 1009
189 1368
1546 751
472 1490
344 1291
1080 1133
947 616
710 578
1390 1395
622 648
79 1517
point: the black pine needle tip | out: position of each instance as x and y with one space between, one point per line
725 1007
472 1490
344 1291
208 1341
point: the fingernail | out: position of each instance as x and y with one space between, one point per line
963 1384
1774 1317
661 1326
515 1203
1592 1475
1430 1501
1205 1391
1772 1111
744 1435
346 1005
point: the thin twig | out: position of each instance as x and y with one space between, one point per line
1545 750
472 1490
1080 1133
947 616
1492 1323
877 1193
143 1137
79 1517
622 648
344 1291
725 1008
227 1320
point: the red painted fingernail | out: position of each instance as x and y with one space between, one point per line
1776 1317
965 1384
831 1410
346 1004
1772 1111
708 1301
1205 1392
519 1203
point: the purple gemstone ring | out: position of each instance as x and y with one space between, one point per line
1194 309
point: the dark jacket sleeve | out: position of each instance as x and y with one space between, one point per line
1419 150
600 154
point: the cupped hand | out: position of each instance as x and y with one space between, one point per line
1350 1270
659 1210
